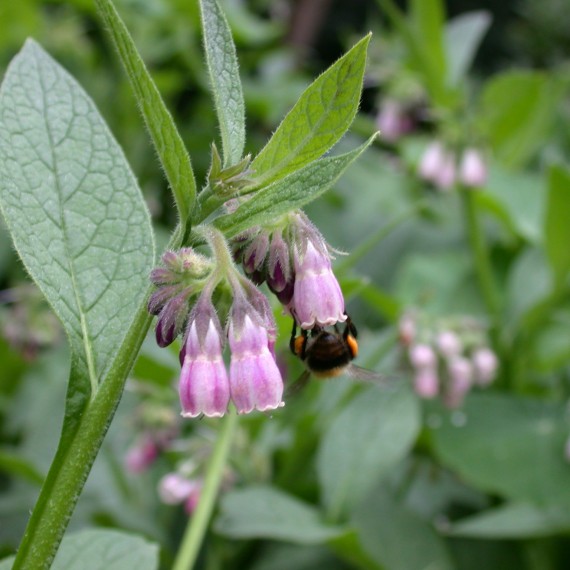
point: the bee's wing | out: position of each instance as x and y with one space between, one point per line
365 375
296 386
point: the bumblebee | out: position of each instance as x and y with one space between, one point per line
327 352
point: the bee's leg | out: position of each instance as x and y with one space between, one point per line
298 344
293 336
350 328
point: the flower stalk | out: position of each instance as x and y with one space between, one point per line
198 523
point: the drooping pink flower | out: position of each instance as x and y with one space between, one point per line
460 381
204 385
255 380
485 364
317 296
472 170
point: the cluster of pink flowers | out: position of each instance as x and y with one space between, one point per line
440 166
295 261
447 360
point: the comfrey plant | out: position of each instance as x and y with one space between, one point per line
81 228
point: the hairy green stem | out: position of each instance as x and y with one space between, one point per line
198 524
481 256
76 452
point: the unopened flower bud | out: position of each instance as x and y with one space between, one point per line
174 488
472 171
485 364
141 455
432 161
460 380
392 121
445 178
448 344
422 357
426 382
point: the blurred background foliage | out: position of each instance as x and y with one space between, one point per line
346 475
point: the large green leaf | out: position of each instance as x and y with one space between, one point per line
557 223
396 538
73 207
224 76
367 439
291 193
265 512
517 112
509 445
318 120
165 137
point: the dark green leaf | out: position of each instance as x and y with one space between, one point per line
317 121
509 445
515 520
165 137
265 512
291 193
557 223
463 35
73 208
367 439
224 77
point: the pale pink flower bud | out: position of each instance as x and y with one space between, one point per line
422 356
448 344
460 380
445 178
392 121
174 488
485 364
426 383
473 170
141 455
193 498
432 161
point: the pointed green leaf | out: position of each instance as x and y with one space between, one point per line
224 76
291 193
368 438
166 139
557 223
318 120
73 207
463 36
